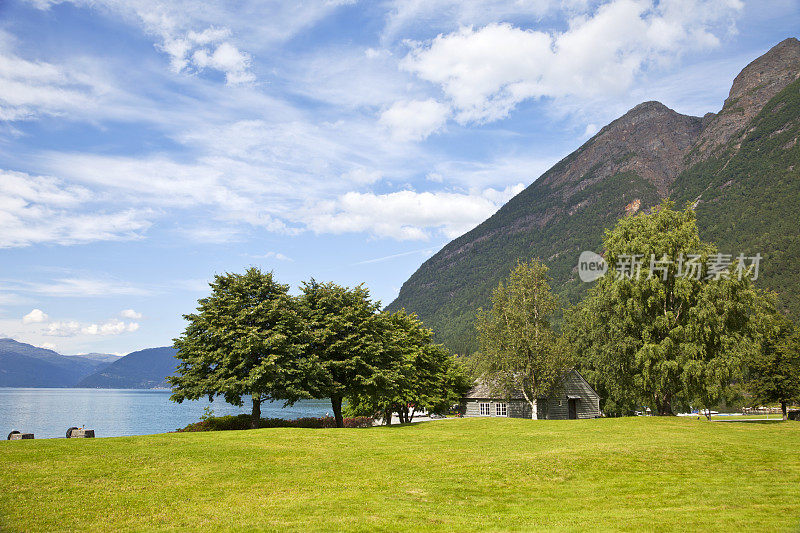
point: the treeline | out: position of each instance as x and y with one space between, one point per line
251 338
667 333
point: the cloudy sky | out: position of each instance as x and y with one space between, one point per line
147 145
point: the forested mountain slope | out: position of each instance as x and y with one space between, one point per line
143 369
739 167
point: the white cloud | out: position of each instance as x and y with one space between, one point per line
37 209
486 72
273 255
82 287
112 327
72 328
415 120
408 215
7 298
219 234
247 172
68 328
34 317
413 16
198 35
425 252
362 176
492 173
29 89
130 313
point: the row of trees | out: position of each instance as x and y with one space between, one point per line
659 339
250 337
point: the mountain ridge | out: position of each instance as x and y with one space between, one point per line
648 154
142 369
25 365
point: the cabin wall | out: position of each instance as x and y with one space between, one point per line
588 405
514 408
554 408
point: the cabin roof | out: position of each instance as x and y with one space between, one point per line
483 391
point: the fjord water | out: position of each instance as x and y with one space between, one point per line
120 412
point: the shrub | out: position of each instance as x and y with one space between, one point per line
243 421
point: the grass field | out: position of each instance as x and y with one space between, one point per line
468 474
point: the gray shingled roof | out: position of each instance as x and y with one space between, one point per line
482 390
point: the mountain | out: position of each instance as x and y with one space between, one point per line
23 365
102 357
145 369
739 167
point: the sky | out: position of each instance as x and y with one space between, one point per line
146 146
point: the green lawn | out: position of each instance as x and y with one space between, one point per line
469 474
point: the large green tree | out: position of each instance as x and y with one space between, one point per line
518 348
774 372
246 338
347 343
426 375
671 322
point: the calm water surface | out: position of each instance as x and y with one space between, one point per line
120 412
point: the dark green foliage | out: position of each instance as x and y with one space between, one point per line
346 343
749 201
446 293
240 422
247 338
426 375
750 197
519 349
662 339
774 373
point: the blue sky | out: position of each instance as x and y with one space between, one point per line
147 145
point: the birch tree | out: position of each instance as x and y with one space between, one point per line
519 351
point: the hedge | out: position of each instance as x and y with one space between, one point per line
244 421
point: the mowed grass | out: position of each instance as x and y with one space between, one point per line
469 474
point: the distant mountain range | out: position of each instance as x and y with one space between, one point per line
739 168
145 369
24 365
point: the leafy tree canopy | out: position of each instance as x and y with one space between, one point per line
347 343
518 348
665 331
427 376
774 372
246 338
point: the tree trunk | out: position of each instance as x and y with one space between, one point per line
411 414
336 404
664 406
783 408
387 416
256 415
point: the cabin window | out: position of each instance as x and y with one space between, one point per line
485 409
501 410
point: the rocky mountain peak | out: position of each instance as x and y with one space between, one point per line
755 85
650 140
768 74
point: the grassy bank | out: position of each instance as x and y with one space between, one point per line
487 474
